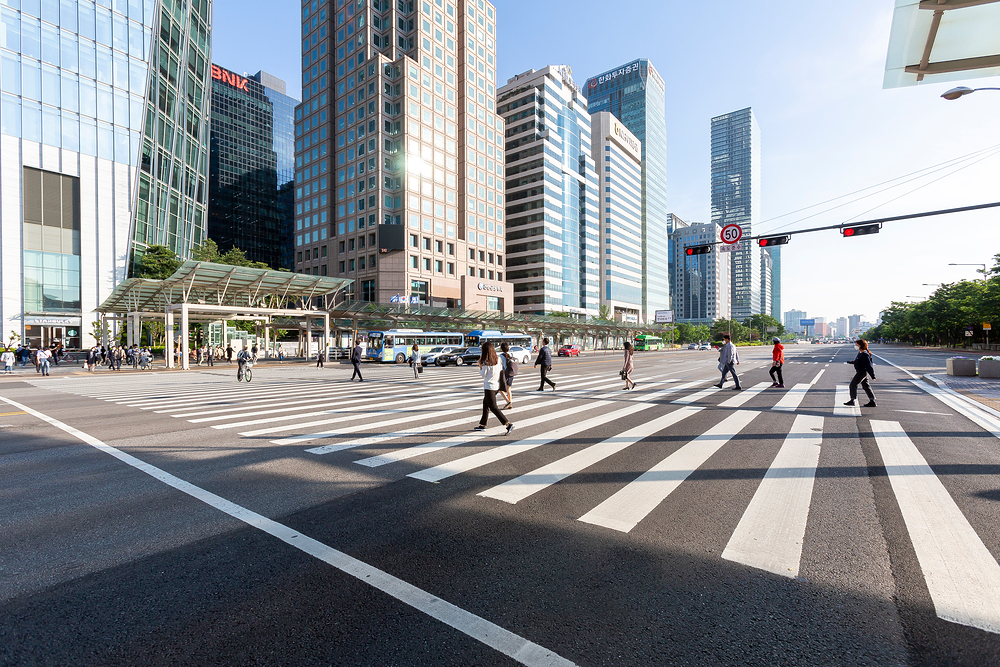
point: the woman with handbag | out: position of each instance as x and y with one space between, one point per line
628 367
491 370
777 361
509 371
415 361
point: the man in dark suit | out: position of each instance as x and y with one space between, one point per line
356 361
545 361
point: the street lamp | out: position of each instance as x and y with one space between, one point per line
955 93
982 265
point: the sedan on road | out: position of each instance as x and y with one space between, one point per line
459 357
569 351
522 355
431 355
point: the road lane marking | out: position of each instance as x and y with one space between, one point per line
696 396
792 398
664 392
742 397
630 505
477 627
816 379
769 535
922 412
362 404
515 490
963 406
962 576
473 461
842 396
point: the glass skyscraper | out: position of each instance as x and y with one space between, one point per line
736 199
284 149
250 123
552 198
635 94
88 91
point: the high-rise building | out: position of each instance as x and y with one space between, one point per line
701 282
635 94
820 328
791 321
853 325
775 303
552 208
246 210
842 329
399 152
88 91
673 224
173 179
284 149
736 199
618 157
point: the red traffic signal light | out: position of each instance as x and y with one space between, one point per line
773 240
860 230
698 249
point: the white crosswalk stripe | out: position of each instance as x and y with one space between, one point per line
670 390
769 535
742 397
793 398
841 410
696 396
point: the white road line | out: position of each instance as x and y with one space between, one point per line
816 379
770 533
963 407
696 396
460 439
962 576
526 485
922 412
742 397
494 636
630 505
473 461
305 396
664 392
792 398
843 395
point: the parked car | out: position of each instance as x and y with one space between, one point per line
704 346
522 355
431 355
459 357
569 351
693 346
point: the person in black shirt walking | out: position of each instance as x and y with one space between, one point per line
545 361
356 361
862 369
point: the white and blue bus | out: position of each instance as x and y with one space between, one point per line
477 337
394 344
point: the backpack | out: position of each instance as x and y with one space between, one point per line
511 366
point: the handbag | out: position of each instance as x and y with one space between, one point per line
621 374
420 369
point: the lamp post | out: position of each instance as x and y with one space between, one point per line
955 93
982 265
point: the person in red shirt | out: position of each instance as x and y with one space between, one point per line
778 360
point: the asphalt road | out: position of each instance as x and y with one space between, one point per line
182 518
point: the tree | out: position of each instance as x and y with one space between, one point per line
604 313
738 331
158 262
759 324
208 251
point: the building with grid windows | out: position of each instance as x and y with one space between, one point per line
701 282
617 157
553 231
635 94
398 152
91 99
251 122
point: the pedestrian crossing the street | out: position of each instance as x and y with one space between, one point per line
422 430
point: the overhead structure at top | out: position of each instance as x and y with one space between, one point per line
935 41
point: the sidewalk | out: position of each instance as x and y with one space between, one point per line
982 391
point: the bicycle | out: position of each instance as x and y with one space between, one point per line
243 373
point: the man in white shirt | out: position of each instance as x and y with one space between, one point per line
8 360
729 359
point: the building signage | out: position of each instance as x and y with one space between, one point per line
732 247
811 322
225 76
609 77
53 321
485 287
664 317
626 139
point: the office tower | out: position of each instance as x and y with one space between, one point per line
245 208
775 303
791 321
617 155
674 223
284 149
701 282
76 137
635 94
173 178
399 152
853 325
552 217
765 281
843 330
736 199
820 328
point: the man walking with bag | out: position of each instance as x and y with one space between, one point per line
545 361
729 359
356 361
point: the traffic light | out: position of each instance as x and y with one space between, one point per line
698 249
773 240
861 230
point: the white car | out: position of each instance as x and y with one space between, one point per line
522 355
431 355
704 346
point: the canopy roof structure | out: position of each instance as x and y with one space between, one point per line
219 285
942 40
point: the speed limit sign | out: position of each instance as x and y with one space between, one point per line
731 233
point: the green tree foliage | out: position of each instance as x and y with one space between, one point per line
209 252
759 325
943 317
158 262
692 333
603 313
739 331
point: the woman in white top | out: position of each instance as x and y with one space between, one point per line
415 360
490 369
8 360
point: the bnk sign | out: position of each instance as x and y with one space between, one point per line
226 76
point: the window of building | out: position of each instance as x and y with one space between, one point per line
451 268
323 253
472 255
482 256
413 261
427 243
413 240
427 263
341 267
350 245
451 248
482 273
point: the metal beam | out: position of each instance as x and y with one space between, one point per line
953 4
961 65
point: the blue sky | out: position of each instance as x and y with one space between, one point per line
812 73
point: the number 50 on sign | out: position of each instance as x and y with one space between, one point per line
731 233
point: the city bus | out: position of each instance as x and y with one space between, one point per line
394 344
644 342
477 337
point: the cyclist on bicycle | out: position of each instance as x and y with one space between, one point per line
243 360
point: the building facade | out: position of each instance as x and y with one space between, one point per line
775 302
791 321
617 157
735 192
843 330
635 94
702 292
83 85
853 325
552 210
246 207
674 223
399 152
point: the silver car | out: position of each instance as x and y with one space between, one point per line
431 355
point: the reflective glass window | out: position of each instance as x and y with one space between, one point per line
120 41
31 79
50 86
10 116
103 64
31 120
88 59
105 142
70 92
105 104
87 26
88 98
67 15
70 131
51 130
50 45
69 51
10 30
50 11
10 74
120 69
88 137
103 24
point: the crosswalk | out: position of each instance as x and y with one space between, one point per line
422 430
